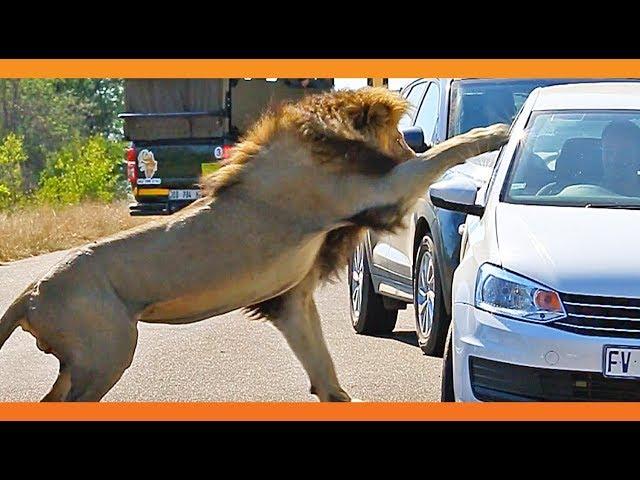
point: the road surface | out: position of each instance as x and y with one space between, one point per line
230 358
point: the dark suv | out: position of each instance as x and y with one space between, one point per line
416 265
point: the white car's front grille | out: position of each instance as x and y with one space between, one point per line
601 316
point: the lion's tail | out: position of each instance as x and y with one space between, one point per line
16 312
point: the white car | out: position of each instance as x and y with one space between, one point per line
546 300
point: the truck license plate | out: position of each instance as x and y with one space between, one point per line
184 194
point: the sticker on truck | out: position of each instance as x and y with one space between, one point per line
147 163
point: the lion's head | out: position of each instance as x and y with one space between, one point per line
375 113
369 115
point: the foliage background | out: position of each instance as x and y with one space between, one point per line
60 141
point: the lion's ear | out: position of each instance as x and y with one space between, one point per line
376 115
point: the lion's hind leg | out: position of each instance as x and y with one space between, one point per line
98 369
76 314
94 350
60 388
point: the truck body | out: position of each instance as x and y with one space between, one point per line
180 129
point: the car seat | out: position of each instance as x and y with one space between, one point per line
534 173
579 162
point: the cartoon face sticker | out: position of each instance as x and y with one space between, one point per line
147 163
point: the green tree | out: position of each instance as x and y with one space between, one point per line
12 157
49 113
45 118
84 170
102 99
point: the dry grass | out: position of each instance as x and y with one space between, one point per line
38 230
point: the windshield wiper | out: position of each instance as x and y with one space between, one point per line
619 206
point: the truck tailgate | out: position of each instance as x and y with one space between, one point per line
175 165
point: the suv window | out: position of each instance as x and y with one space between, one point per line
427 117
482 102
414 97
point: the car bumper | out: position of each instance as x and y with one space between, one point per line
164 207
500 359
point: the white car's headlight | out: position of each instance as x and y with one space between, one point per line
505 293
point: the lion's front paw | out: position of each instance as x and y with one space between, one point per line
496 135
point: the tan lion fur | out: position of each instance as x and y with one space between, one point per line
327 122
277 219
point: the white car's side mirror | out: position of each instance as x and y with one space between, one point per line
457 194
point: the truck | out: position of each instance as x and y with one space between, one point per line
180 129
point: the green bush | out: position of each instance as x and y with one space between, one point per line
83 170
12 157
47 112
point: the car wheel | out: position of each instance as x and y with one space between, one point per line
447 393
428 302
368 314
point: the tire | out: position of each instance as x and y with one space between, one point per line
367 311
428 301
447 393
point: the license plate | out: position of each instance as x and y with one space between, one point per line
184 194
621 362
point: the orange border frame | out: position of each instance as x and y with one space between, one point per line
287 411
327 68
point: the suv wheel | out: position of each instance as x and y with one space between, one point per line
368 314
428 302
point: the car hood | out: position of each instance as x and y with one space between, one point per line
573 250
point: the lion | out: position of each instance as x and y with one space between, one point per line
280 217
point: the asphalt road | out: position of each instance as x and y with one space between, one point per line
230 358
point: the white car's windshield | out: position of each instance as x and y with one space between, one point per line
578 158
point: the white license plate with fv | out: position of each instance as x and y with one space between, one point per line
621 362
184 194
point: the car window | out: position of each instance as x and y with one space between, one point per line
427 117
578 158
484 193
482 102
415 98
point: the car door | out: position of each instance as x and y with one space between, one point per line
397 249
472 221
414 94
